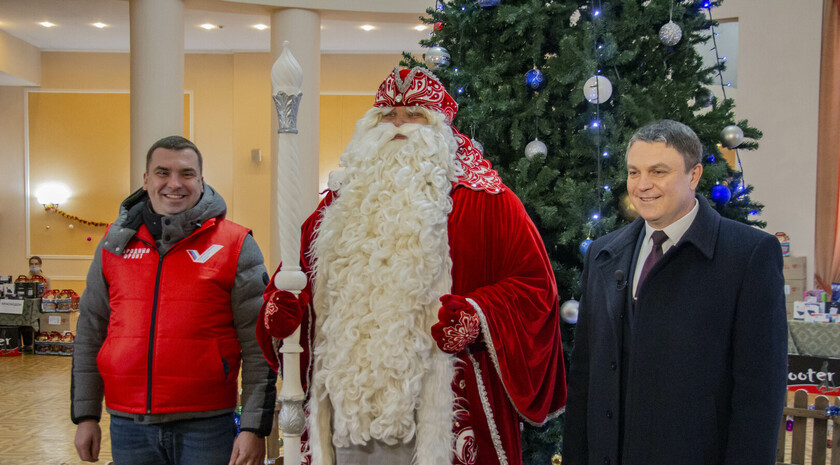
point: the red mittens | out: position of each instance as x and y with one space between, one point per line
458 324
283 313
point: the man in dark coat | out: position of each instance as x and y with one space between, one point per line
681 343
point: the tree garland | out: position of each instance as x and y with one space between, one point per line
54 209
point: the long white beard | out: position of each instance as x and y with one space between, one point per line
381 264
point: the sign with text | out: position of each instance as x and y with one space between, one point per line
15 307
817 375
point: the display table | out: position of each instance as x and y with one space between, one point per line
29 316
814 339
27 321
814 357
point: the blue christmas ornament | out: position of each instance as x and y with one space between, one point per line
721 194
710 158
535 79
488 4
584 246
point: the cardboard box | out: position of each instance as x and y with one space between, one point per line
8 290
794 289
789 308
795 268
58 321
805 311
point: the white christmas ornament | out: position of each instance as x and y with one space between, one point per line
731 136
477 145
569 311
535 147
597 89
437 57
670 34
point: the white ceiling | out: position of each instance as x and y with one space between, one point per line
340 32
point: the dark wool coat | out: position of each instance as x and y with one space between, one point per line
695 371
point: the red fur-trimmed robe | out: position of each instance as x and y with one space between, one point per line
515 369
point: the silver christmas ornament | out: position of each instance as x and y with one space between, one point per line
597 89
670 34
569 311
535 147
731 136
437 57
477 145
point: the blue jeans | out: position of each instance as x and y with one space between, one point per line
204 441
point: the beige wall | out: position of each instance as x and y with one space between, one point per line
778 91
20 62
231 108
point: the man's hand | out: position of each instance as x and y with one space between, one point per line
283 313
88 440
458 324
248 449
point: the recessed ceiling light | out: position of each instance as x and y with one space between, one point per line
208 26
367 27
260 27
99 25
421 27
46 24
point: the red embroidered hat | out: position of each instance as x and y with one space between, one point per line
415 87
419 87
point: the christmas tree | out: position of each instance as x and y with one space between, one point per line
519 68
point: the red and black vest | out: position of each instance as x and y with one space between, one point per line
171 343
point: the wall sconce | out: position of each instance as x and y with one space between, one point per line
52 193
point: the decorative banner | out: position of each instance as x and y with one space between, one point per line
54 209
817 375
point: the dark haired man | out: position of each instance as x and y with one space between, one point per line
681 346
166 320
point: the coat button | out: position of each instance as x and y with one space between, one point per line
606 461
609 413
166 221
166 238
613 366
621 315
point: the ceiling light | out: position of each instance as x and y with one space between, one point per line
260 27
367 27
208 26
421 27
99 25
46 24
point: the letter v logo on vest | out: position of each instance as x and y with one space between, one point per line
204 256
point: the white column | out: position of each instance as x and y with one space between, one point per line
157 77
302 28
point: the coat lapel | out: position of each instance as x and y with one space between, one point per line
617 255
703 231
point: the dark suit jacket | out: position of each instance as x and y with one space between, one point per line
705 363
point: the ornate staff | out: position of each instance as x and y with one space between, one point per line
286 79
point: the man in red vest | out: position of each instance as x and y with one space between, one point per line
166 320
